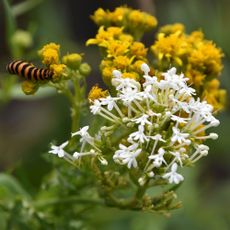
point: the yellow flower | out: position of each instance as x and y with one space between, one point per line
103 36
138 49
58 70
172 47
125 38
121 62
131 75
141 20
196 78
213 95
206 57
96 93
172 28
195 37
118 15
117 48
100 17
29 87
50 54
107 74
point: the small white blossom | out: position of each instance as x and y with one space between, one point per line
173 176
158 159
96 107
157 137
143 120
178 119
127 155
109 101
138 135
58 150
177 156
178 136
83 132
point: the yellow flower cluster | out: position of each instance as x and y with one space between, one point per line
195 56
134 22
120 52
96 93
50 54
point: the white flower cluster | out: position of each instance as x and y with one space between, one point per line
166 125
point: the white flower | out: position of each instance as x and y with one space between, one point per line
123 83
96 107
177 156
178 136
152 81
109 101
59 150
138 135
127 155
173 176
149 94
142 120
158 159
128 95
130 159
179 119
124 150
83 132
157 137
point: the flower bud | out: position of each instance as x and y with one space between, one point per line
22 39
73 60
29 87
85 69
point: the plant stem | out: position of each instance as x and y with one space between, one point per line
71 199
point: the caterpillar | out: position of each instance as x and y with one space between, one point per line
29 71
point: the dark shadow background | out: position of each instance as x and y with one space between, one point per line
28 126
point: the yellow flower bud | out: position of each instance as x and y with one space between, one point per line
29 87
73 60
85 69
100 16
22 38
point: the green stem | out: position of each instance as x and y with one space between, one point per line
10 26
76 105
69 200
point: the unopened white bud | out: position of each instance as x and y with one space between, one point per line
213 136
215 123
141 181
145 68
117 73
151 174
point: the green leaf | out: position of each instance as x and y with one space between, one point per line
10 187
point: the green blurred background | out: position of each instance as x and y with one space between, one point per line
29 124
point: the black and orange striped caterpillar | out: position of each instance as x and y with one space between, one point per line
29 71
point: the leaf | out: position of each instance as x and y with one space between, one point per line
10 187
